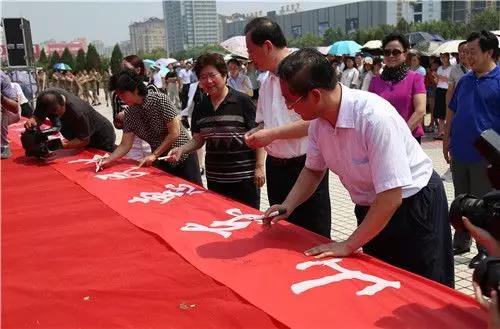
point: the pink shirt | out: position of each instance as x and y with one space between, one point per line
400 95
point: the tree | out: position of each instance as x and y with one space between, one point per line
43 60
80 63
195 52
333 35
116 59
487 20
92 59
306 41
67 58
54 59
155 54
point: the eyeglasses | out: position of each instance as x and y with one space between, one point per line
393 52
295 102
210 76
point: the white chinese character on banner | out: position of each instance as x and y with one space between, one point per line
89 161
344 274
225 228
170 193
119 175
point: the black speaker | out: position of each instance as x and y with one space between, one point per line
18 42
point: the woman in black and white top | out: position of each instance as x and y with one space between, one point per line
153 118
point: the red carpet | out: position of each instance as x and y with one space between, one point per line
69 261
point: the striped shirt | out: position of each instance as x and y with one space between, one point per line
228 158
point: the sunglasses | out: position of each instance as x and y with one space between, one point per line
393 52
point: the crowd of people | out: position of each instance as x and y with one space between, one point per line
286 119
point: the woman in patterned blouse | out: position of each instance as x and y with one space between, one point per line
153 118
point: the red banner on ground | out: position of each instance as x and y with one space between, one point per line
225 240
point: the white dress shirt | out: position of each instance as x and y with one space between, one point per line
188 111
371 148
185 76
241 83
273 112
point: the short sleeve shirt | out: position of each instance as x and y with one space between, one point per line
476 107
443 72
273 112
6 87
401 94
457 71
149 121
371 148
228 158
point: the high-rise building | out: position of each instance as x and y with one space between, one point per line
190 23
147 35
462 11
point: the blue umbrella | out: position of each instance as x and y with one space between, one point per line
346 47
62 67
148 63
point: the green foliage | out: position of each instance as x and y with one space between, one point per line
43 60
195 52
155 54
305 41
104 63
80 63
333 35
92 59
54 59
67 58
116 59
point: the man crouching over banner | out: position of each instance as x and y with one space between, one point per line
400 201
81 124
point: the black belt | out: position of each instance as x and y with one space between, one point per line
286 162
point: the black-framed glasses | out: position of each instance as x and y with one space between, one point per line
393 52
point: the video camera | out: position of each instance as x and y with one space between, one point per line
36 142
485 212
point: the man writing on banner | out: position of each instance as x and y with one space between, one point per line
282 132
401 204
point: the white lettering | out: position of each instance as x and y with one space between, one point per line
167 195
344 274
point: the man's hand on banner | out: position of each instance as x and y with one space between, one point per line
332 249
269 219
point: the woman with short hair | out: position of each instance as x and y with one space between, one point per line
221 121
152 117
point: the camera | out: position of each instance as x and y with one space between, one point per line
485 212
36 142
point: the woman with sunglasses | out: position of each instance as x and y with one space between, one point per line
221 121
403 88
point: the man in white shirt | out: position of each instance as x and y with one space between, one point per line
400 200
237 80
282 132
184 75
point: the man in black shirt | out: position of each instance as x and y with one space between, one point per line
81 124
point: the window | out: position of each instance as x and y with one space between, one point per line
297 31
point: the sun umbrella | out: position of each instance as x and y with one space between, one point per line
346 47
373 44
447 47
236 45
166 61
148 63
427 48
62 67
323 50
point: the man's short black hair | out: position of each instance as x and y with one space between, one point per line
395 36
487 41
48 101
128 80
305 70
262 29
234 61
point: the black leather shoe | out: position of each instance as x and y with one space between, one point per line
476 260
461 243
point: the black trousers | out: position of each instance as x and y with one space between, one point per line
187 169
418 236
245 191
184 95
315 214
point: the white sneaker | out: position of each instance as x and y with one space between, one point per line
447 176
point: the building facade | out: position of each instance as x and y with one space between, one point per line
462 11
147 35
190 23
